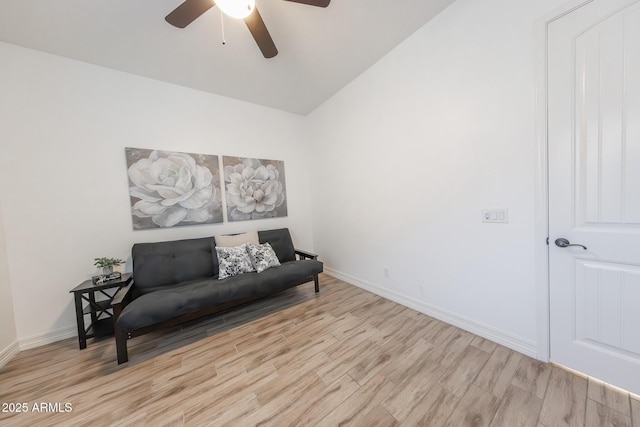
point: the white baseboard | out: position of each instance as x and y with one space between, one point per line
48 337
8 353
506 339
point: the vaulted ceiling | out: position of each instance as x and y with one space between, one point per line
320 49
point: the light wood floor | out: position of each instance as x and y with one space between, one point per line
342 357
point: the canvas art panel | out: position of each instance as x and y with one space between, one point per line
255 188
170 189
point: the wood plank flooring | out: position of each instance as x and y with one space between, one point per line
340 357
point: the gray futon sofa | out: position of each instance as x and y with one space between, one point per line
177 281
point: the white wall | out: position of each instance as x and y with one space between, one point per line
63 131
8 337
411 152
405 159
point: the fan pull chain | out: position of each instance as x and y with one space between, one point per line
224 42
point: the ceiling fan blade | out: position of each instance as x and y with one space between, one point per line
319 3
188 12
260 34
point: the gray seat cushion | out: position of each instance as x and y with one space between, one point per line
174 301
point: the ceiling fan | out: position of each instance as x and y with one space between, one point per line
190 10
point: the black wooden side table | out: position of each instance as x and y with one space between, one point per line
99 311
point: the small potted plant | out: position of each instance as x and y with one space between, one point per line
107 264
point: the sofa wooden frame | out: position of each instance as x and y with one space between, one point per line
125 294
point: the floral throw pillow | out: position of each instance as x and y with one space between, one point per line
263 256
233 261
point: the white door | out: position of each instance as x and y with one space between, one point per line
594 190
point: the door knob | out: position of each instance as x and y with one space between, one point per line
564 243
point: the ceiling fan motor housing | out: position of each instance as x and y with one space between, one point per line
190 10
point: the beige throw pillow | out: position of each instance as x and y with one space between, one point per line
234 240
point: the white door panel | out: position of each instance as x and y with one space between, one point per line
594 190
607 305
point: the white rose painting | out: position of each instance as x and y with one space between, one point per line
255 188
169 189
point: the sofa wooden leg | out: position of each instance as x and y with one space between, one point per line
316 281
121 346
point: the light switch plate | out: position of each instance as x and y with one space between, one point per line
495 215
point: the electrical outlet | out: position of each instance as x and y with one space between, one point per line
385 271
